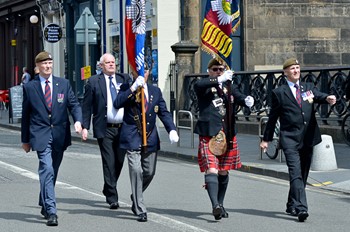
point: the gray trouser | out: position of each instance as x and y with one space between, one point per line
142 168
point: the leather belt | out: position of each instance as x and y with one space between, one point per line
116 125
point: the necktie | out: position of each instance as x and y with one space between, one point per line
112 89
297 94
48 95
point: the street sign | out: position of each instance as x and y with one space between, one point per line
85 72
52 33
91 22
86 28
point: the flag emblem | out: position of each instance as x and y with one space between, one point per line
222 17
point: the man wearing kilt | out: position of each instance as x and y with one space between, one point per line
215 124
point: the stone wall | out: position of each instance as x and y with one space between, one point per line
193 26
317 32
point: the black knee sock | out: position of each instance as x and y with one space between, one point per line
223 182
212 186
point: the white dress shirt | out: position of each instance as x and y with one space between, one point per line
113 115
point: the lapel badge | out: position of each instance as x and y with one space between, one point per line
156 108
224 90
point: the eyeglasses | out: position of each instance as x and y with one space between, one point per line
217 69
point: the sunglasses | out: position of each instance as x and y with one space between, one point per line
217 69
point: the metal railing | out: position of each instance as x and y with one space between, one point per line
260 84
189 114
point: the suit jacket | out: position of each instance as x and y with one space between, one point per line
210 121
38 123
130 137
298 126
95 103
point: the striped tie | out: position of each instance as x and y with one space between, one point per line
297 94
48 95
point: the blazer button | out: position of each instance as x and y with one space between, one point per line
305 123
51 126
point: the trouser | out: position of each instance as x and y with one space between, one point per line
112 163
298 162
142 168
49 163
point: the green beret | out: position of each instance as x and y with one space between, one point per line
213 62
42 56
290 62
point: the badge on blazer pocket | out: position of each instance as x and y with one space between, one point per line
60 97
218 144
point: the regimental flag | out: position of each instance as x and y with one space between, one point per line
135 31
222 17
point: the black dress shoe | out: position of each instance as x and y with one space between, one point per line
52 220
114 205
302 215
217 212
224 214
142 217
291 211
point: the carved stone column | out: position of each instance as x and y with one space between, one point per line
184 58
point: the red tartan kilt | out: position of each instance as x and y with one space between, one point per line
228 161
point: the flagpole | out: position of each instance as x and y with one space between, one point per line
135 14
143 114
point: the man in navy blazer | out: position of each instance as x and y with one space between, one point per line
142 160
46 127
106 122
293 104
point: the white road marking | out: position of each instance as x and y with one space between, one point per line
157 218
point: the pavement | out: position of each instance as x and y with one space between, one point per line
334 177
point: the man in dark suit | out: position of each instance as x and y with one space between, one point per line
98 101
217 119
293 105
46 127
142 160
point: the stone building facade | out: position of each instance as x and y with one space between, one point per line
317 32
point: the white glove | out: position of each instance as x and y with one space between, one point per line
249 101
227 76
174 138
140 81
